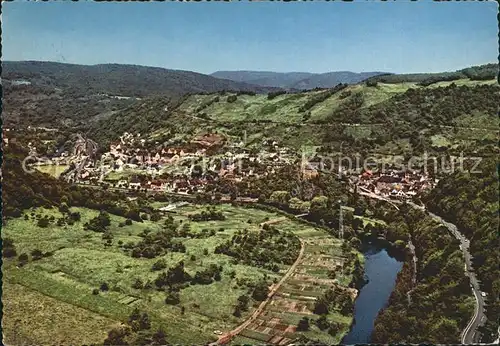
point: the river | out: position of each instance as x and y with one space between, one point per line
381 271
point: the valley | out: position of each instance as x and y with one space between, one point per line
242 217
75 264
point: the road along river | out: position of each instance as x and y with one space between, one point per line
470 334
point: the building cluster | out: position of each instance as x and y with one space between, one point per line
395 184
185 168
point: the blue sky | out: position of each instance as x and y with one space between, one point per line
300 36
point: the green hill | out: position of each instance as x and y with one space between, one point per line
400 118
482 72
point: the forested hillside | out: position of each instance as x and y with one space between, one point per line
470 200
395 120
296 80
482 72
438 306
22 190
117 79
67 95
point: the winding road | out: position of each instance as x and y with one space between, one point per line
470 334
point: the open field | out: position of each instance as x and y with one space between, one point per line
27 312
53 170
80 262
295 298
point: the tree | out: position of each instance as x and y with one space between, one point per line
36 254
322 323
159 338
172 298
155 217
75 216
23 259
9 249
319 207
104 286
118 336
260 291
159 265
138 284
237 311
63 207
303 324
279 197
43 222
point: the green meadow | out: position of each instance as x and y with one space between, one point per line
80 262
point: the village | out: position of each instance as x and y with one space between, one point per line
395 184
183 168
189 167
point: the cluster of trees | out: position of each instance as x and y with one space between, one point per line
173 279
41 105
436 309
241 305
470 201
207 104
100 223
137 331
8 248
275 94
267 248
322 323
9 251
211 214
318 98
482 72
231 98
334 300
155 244
331 327
246 92
24 190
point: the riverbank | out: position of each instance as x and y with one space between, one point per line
381 271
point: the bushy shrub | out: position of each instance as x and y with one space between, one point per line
274 94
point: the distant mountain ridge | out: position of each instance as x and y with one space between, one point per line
118 79
296 80
264 78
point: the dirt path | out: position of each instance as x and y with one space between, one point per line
273 221
414 276
228 336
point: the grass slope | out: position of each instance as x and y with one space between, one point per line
80 263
